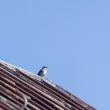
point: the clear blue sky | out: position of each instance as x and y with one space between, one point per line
71 38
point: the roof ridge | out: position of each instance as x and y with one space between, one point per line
48 83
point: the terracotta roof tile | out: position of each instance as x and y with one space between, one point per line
22 90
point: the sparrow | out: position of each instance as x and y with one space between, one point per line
43 71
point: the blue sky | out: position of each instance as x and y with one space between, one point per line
71 38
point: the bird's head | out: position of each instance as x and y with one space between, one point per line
44 68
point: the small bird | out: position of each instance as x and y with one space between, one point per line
43 71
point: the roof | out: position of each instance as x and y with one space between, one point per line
23 90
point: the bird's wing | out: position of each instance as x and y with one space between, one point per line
40 72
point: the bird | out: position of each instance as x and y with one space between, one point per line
43 71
